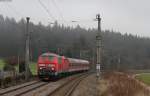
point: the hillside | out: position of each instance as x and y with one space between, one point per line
120 51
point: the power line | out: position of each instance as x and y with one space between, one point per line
8 10
46 10
59 11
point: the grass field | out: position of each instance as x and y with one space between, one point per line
32 67
1 64
144 77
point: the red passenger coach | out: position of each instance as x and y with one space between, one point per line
52 65
78 65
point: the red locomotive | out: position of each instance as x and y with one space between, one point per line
52 65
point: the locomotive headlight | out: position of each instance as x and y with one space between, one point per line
52 68
40 67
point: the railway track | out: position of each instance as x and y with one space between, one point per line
64 86
19 90
32 88
13 88
68 87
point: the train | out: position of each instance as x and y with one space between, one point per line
51 65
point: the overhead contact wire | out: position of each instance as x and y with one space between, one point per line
45 8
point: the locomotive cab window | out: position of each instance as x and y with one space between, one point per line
49 57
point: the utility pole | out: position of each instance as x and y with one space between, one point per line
98 54
27 55
98 46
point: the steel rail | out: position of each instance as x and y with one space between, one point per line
11 90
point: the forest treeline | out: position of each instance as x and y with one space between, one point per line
120 51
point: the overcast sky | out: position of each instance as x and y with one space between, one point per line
131 16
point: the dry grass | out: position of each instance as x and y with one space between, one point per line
121 84
112 84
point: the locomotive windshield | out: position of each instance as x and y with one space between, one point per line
49 57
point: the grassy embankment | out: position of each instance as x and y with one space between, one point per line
144 77
32 67
121 84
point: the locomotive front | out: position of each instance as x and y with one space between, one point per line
47 65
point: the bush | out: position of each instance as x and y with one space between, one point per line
21 66
9 67
10 63
11 60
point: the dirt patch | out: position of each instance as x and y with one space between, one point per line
87 87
